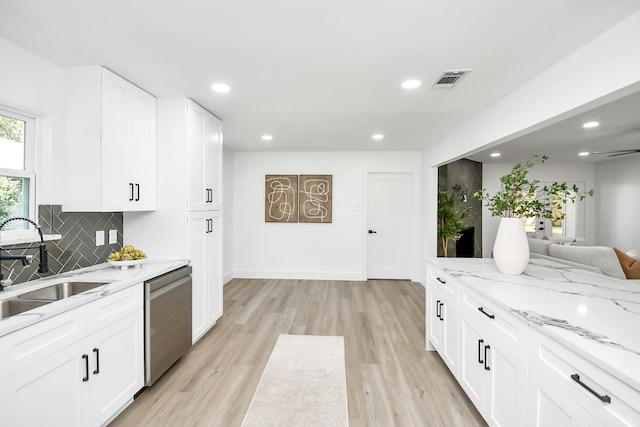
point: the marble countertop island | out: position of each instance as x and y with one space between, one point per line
596 316
116 279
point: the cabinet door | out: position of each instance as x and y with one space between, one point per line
434 325
449 319
116 365
141 152
199 225
213 166
50 392
507 386
197 160
472 373
547 405
214 267
116 188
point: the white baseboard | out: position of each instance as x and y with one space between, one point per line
300 275
226 278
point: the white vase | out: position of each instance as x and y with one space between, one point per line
511 249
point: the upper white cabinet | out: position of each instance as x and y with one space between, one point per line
110 143
204 136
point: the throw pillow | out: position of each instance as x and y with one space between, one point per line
630 265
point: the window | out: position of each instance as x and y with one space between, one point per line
17 177
571 226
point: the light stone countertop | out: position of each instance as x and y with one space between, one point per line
116 278
596 316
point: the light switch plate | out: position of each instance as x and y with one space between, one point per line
113 236
99 238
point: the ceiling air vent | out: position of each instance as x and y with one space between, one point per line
450 78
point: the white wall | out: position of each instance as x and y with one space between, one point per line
227 216
311 251
606 68
618 207
547 172
33 86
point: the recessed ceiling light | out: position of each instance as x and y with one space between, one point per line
588 125
411 84
377 136
495 154
220 87
267 137
583 153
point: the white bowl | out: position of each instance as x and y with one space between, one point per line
126 264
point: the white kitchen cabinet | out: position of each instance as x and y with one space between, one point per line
204 137
189 193
205 250
596 397
442 315
547 405
75 369
110 143
492 373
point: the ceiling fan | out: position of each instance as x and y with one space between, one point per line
615 153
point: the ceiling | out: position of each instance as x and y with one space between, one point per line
317 75
618 129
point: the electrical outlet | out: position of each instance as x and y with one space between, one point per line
99 238
113 237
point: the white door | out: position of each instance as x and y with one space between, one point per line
389 225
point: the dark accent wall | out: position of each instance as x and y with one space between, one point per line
77 247
468 174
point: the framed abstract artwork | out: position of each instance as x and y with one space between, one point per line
315 198
281 198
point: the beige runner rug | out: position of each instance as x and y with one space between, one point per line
303 384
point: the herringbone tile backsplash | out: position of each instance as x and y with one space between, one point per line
76 249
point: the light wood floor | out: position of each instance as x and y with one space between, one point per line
391 379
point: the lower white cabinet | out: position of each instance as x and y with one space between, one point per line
547 405
493 376
86 382
205 250
442 317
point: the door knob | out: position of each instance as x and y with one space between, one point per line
372 232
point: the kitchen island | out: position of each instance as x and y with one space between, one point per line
554 345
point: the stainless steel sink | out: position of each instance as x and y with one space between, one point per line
60 290
11 307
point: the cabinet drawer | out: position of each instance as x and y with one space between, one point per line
559 364
498 322
107 310
31 344
443 283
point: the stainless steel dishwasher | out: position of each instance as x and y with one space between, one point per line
167 335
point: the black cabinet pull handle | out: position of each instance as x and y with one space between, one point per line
373 232
137 192
441 312
438 309
486 347
97 370
131 191
605 398
490 316
86 367
480 361
444 282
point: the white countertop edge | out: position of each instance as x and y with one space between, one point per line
117 279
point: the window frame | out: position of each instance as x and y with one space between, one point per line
29 234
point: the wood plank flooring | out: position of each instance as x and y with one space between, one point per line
391 379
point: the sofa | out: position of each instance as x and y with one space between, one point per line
598 259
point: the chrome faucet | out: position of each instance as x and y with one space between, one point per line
43 267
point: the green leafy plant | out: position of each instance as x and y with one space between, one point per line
521 197
450 216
